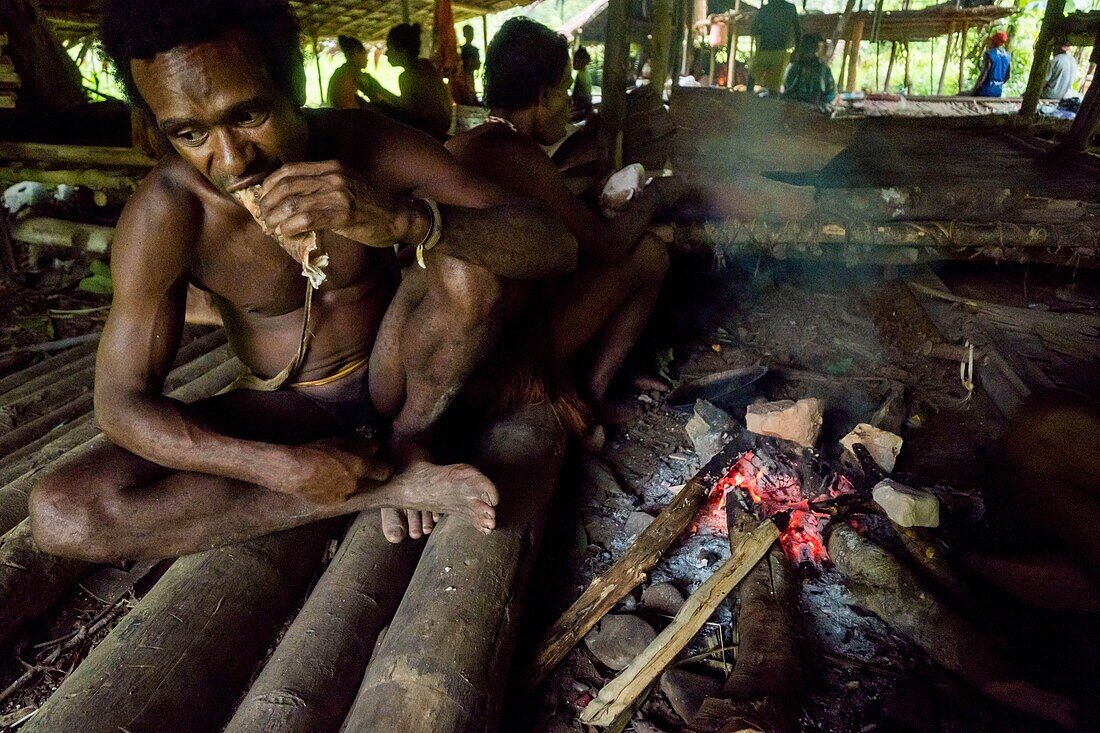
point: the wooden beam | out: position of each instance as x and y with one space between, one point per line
853 59
93 178
841 28
616 63
1087 119
1053 17
908 77
890 67
963 38
90 155
444 662
323 655
196 636
406 14
629 571
620 695
659 45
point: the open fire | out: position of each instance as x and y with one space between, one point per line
769 485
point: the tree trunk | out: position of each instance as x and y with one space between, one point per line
180 659
311 679
443 664
50 78
1044 44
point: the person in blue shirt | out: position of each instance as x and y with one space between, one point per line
996 66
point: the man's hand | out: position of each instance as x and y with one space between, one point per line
329 471
304 197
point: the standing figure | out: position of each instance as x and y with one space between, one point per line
581 101
996 67
424 102
463 86
776 31
346 82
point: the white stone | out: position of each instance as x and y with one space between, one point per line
883 445
907 507
799 422
708 429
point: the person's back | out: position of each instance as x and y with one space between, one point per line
428 102
996 67
1060 77
809 79
776 26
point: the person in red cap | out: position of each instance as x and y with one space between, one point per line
996 66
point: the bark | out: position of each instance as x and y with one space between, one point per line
310 681
180 659
443 664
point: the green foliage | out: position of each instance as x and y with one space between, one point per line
98 280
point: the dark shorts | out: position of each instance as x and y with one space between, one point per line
350 408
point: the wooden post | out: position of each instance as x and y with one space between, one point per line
908 78
674 57
686 7
50 77
1085 123
946 60
659 45
962 56
1044 43
616 59
713 71
406 14
444 663
890 66
841 27
484 35
317 63
853 57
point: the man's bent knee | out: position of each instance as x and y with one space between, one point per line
62 523
651 257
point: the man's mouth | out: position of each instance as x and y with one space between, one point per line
242 183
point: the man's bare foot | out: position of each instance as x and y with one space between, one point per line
648 383
426 489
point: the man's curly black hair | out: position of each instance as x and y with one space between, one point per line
140 29
524 58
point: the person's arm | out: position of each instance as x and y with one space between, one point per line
343 91
830 83
482 223
378 93
982 75
521 166
149 265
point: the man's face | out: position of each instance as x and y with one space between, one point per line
553 111
358 59
221 111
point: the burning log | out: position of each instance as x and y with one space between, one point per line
444 662
884 586
628 572
311 679
196 636
768 672
618 699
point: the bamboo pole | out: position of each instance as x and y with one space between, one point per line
908 78
890 66
659 45
963 37
947 55
853 61
406 14
317 63
1053 16
615 64
47 231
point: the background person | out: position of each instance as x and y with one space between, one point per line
347 81
809 79
424 102
996 67
1060 74
776 31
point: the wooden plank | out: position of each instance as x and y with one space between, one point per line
619 695
629 571
310 681
444 662
180 659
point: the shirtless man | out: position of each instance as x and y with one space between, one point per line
606 304
223 81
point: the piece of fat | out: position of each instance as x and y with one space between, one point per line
303 248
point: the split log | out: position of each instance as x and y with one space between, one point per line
768 672
94 178
91 155
629 571
180 659
312 677
619 697
47 231
47 366
886 587
443 664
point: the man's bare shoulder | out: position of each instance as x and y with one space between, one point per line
168 204
493 146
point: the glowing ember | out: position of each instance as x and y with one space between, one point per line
772 485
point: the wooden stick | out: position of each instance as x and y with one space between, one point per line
444 663
44 230
629 571
180 659
311 679
92 155
618 695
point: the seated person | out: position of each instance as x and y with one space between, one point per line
996 67
809 79
581 102
1061 73
424 102
347 81
604 306
223 82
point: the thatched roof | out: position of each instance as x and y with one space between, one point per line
367 20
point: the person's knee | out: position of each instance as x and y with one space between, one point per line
471 293
63 522
651 258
